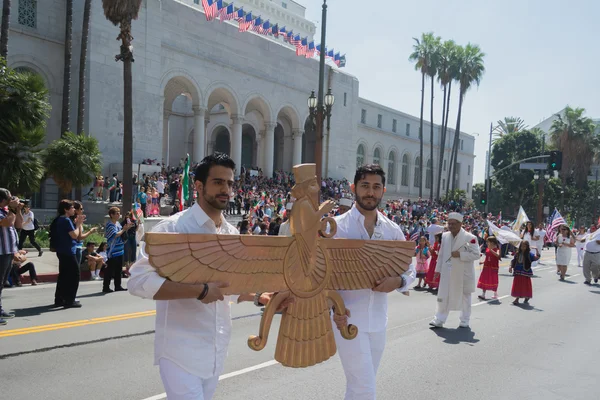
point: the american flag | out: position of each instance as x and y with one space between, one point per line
210 9
554 221
246 22
275 30
289 36
302 47
336 59
229 13
257 26
265 29
296 40
310 52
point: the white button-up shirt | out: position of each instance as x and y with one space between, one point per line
368 309
193 335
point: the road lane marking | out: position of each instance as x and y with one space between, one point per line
73 324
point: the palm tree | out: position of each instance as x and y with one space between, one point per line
122 12
459 54
575 136
433 46
508 125
66 100
72 161
420 56
83 65
471 71
446 74
4 29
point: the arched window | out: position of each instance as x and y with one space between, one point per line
360 156
429 170
418 171
405 169
377 156
391 174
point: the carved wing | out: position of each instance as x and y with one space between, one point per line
358 264
248 263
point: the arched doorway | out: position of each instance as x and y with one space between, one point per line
279 150
248 147
221 139
308 142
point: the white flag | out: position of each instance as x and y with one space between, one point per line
521 219
504 236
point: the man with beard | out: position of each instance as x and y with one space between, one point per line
361 356
193 321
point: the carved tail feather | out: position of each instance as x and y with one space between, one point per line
259 342
305 335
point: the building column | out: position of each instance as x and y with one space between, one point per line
260 141
236 141
166 136
269 148
297 154
199 133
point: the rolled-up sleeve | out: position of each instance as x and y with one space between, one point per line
144 281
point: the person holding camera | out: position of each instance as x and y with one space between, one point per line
116 249
11 219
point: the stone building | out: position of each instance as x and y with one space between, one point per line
202 86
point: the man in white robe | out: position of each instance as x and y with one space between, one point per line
456 265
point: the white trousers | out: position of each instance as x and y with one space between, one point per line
465 314
181 385
360 359
580 254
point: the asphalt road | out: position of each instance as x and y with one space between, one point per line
104 350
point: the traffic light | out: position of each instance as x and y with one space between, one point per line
555 161
483 199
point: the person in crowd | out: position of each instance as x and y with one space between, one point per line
580 245
361 356
28 229
114 188
422 255
64 234
456 265
83 235
116 249
143 200
245 227
20 266
193 320
432 279
103 252
284 229
130 255
155 203
488 280
542 241
92 261
434 229
274 227
521 267
532 236
176 207
564 242
99 186
263 229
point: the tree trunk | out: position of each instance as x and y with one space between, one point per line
4 29
85 30
448 97
431 144
457 137
83 65
442 145
127 57
66 107
421 136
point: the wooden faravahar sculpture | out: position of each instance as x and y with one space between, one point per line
309 265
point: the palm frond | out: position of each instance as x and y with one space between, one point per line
117 11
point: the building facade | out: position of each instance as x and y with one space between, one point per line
201 86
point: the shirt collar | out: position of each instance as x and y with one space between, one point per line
357 215
201 217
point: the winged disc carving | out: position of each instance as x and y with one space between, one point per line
309 265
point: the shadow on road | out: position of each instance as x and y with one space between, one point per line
595 291
97 294
528 307
37 310
570 282
456 336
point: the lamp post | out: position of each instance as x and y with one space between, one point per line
541 183
320 107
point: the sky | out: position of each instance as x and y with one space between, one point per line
540 55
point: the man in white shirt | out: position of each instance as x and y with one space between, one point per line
193 321
433 230
284 229
591 258
361 356
160 186
542 241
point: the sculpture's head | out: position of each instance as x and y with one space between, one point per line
306 182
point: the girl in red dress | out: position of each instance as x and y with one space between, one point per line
432 279
488 280
521 265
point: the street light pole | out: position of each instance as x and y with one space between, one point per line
488 181
320 109
541 184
